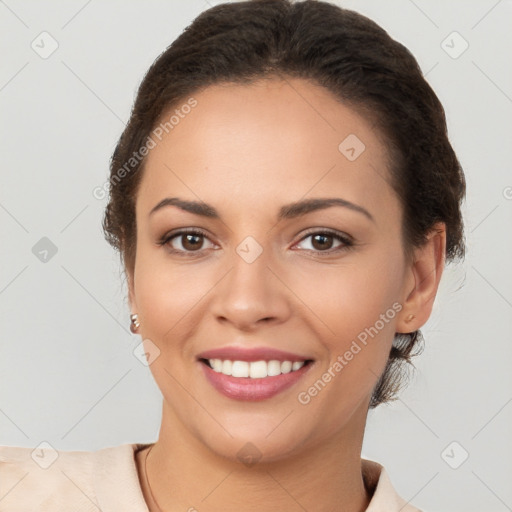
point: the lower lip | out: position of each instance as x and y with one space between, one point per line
245 388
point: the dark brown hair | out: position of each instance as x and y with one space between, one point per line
353 58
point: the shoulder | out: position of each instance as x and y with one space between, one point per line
44 477
384 496
51 479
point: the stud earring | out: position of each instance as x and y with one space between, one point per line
134 324
409 318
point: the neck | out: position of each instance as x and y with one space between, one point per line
184 474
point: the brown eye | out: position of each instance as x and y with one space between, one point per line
191 242
185 242
325 242
322 241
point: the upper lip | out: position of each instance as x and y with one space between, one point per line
251 354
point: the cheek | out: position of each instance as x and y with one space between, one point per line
362 319
168 297
359 320
350 298
161 295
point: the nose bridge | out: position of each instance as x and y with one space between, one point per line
250 292
249 277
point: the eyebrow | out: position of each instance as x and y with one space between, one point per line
288 211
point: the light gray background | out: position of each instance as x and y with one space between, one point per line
67 371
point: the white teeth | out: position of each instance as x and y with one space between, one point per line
273 368
286 367
258 369
226 367
216 364
254 369
240 369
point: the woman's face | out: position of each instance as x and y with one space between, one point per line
264 274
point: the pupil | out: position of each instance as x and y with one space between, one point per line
322 238
191 237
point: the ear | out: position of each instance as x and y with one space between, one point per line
131 291
422 281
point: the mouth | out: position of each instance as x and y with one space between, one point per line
253 380
254 369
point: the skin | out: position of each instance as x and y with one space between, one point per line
247 150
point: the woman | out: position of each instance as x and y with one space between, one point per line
284 198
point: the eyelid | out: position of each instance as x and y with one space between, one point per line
167 237
347 240
328 231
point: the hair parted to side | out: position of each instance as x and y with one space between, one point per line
353 58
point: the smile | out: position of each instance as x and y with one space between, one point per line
255 380
254 369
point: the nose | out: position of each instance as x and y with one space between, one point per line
252 294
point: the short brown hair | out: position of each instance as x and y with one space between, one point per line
352 57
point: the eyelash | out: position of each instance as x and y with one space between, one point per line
348 242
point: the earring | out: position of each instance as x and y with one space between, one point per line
409 318
134 325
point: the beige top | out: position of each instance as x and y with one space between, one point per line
107 480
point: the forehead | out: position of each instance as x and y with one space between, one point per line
270 141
